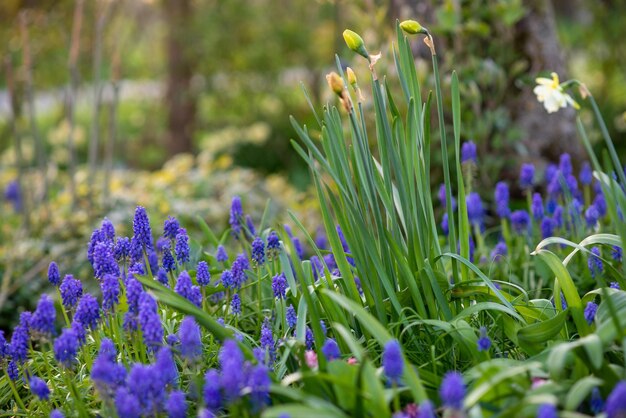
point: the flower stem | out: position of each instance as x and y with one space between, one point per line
446 165
16 394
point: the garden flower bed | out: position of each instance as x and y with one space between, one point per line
399 307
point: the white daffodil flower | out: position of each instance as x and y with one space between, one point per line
551 94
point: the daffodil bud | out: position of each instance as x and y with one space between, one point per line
351 77
355 43
412 27
335 82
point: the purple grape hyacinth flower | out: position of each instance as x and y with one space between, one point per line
393 363
176 405
616 402
66 347
182 246
527 176
43 319
537 206
141 228
585 176
330 349
590 312
232 378
71 290
221 255
87 311
500 250
127 404
203 276
547 410
520 220
291 316
594 262
468 152
501 197
279 285
211 392
110 287
235 304
236 216
39 388
150 322
190 339
170 227
54 277
258 251
452 390
484 342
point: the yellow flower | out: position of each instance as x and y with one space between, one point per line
551 94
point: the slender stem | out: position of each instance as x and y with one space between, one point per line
101 17
19 157
30 101
77 398
16 394
617 165
71 95
446 165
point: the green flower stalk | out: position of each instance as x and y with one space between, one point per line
352 80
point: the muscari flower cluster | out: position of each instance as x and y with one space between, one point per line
156 385
573 205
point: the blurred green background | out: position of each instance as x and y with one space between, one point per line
180 104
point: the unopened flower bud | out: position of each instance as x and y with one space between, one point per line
335 82
351 76
355 43
412 27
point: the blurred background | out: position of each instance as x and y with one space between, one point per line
178 105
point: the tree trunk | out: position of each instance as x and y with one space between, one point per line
545 135
180 100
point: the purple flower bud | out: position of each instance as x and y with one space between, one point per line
54 277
